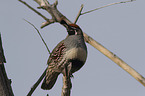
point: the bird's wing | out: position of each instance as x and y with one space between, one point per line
56 55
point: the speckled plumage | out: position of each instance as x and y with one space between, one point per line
70 51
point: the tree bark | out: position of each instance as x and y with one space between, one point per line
5 83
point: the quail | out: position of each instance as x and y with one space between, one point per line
71 51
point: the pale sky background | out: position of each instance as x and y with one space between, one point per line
120 28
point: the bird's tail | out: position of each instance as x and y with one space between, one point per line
49 80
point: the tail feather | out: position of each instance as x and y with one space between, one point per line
49 80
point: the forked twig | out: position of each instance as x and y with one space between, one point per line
79 13
82 6
107 6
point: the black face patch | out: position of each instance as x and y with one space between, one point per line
71 32
74 31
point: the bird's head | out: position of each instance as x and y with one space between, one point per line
72 29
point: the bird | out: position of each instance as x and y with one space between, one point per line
70 53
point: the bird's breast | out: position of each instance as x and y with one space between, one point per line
76 53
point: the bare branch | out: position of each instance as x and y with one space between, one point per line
5 82
40 36
107 6
66 89
79 13
115 59
37 83
55 3
47 23
42 2
66 86
34 10
44 73
53 11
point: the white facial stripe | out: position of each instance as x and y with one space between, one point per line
76 32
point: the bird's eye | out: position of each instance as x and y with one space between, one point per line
71 32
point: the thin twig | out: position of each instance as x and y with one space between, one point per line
37 83
34 10
107 6
44 73
47 23
79 14
40 36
